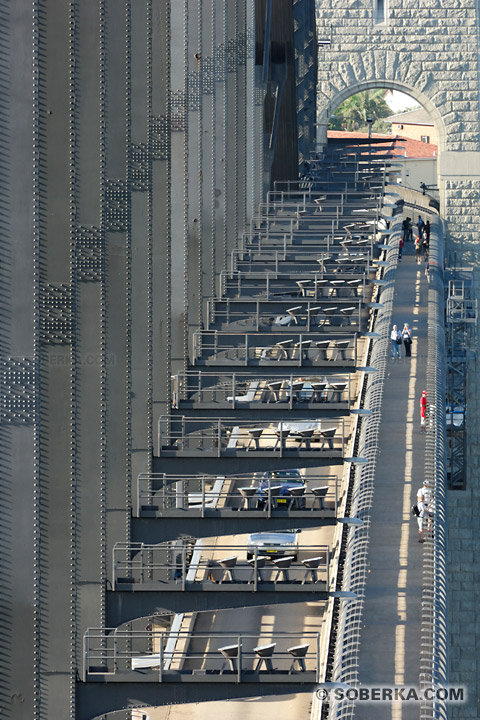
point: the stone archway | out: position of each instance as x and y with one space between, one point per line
414 93
425 102
430 52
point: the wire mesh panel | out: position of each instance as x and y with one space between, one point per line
347 646
434 635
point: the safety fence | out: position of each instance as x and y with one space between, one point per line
197 388
434 635
212 347
118 654
264 561
273 493
350 610
224 437
269 285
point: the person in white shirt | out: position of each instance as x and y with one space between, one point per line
426 507
396 338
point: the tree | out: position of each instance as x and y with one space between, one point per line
353 112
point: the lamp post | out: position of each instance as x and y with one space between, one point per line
369 123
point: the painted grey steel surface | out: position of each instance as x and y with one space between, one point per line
104 300
19 478
89 334
434 664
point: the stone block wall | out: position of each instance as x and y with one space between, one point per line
427 49
462 213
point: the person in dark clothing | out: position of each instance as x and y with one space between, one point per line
410 229
407 339
420 225
427 229
407 229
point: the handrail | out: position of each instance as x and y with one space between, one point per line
269 284
294 255
434 626
263 391
276 314
226 436
207 496
244 348
109 651
349 624
178 565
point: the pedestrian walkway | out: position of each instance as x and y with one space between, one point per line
390 639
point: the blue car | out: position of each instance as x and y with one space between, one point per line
286 479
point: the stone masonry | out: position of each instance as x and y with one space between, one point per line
426 49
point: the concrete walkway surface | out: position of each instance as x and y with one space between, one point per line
390 639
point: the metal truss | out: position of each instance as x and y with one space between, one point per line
460 321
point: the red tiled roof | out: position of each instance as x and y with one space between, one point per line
406 147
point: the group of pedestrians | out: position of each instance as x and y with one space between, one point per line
422 240
399 338
422 228
424 510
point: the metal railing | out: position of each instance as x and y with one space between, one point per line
292 206
311 187
236 390
434 627
300 260
323 239
302 195
210 495
243 656
274 286
176 566
279 315
355 571
224 437
310 349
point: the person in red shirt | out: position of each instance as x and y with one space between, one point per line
423 410
418 249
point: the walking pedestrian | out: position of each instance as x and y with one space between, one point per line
427 229
425 508
407 339
423 410
427 271
410 229
420 225
418 249
396 338
425 246
400 248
